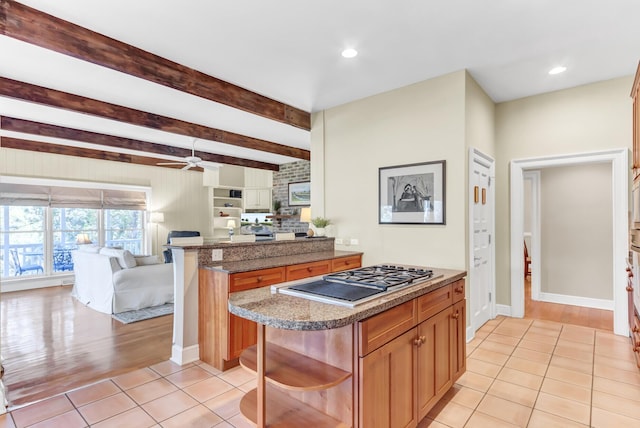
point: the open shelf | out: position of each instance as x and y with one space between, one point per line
294 371
284 411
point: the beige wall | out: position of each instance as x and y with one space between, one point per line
576 225
582 119
178 194
418 123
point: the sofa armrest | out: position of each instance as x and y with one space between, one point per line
146 260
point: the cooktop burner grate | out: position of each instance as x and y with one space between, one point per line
380 276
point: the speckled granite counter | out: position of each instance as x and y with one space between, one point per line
293 313
269 262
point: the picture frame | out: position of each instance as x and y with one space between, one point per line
412 193
300 194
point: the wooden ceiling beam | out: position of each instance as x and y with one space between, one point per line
48 130
64 100
58 149
36 27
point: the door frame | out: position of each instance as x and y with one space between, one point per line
476 155
618 158
534 250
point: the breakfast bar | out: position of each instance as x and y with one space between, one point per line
383 363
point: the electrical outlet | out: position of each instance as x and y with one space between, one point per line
216 254
355 241
338 241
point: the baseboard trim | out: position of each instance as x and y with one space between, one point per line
182 356
470 334
503 310
9 285
576 301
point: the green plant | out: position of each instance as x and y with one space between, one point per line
276 206
321 222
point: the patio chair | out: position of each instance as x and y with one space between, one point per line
19 268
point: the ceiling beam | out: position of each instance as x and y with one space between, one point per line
54 98
37 146
36 27
55 131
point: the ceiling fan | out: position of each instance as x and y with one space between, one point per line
190 161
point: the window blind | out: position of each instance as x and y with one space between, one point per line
70 197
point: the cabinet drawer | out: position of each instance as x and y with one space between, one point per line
435 301
345 263
381 328
305 270
458 290
255 279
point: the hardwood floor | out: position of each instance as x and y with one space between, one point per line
568 314
51 344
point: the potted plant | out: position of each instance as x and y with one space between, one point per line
320 223
276 206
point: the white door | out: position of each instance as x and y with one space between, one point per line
482 240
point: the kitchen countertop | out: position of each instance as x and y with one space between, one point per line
271 262
295 313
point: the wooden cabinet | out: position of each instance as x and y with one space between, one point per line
305 270
346 263
635 94
388 384
417 350
223 336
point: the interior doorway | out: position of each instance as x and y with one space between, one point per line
619 208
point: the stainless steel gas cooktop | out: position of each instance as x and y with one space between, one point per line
353 287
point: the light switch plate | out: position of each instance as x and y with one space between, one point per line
216 254
355 241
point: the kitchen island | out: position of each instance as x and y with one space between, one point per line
384 363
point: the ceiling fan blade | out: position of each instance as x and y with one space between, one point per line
171 163
187 167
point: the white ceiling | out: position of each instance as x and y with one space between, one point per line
289 50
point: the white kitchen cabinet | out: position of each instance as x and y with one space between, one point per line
257 199
258 178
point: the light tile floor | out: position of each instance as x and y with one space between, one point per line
520 373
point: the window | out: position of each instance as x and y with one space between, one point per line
40 223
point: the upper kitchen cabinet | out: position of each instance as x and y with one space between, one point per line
258 184
635 94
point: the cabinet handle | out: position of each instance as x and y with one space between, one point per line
417 342
629 288
456 315
259 279
459 290
423 339
635 329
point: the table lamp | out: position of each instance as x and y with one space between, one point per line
305 217
231 224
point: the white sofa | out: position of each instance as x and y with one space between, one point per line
113 281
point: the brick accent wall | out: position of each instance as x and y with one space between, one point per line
289 173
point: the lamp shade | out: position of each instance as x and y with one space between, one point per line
231 224
156 217
83 239
305 215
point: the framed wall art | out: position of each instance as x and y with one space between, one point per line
300 193
412 194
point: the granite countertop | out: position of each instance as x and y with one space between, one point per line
295 313
271 262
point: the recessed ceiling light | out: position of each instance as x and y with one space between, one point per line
349 53
557 70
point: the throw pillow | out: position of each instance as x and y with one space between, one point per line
125 258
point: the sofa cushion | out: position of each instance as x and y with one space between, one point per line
125 258
89 249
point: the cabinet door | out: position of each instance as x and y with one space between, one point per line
242 334
257 199
387 384
305 270
345 263
459 339
435 375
